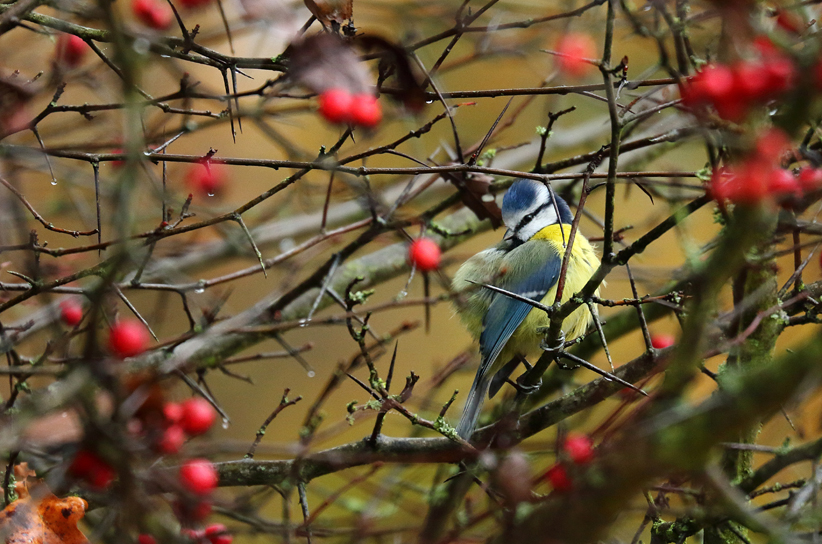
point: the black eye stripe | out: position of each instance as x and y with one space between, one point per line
528 218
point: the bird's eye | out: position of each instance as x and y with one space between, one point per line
527 219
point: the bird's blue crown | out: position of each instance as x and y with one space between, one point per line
525 193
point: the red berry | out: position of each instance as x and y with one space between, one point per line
810 178
198 476
722 184
91 468
717 81
764 46
751 81
197 416
579 448
752 182
714 85
365 110
558 477
781 74
71 312
71 49
662 340
771 145
83 463
128 338
217 533
193 534
146 539
153 13
101 478
424 253
574 50
335 105
172 440
207 177
173 412
784 185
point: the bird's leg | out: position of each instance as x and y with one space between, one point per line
520 384
557 350
559 345
554 351
526 364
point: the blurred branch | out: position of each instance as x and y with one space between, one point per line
658 442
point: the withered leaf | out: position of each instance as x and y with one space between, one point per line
22 473
14 95
47 520
394 61
474 194
328 11
326 61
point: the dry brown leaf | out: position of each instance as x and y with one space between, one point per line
41 518
326 61
328 11
22 473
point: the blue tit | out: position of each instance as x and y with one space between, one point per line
526 262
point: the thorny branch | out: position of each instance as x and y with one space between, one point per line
333 231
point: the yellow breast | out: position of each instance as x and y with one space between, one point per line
582 265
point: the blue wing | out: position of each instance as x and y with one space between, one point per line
505 314
533 269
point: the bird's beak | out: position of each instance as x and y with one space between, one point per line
509 235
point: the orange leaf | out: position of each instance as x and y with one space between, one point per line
22 473
49 521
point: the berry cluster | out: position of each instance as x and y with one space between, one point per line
339 106
576 448
163 425
91 469
759 176
193 417
732 91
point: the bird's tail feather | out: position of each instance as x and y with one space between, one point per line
473 406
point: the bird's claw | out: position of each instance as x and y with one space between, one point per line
525 388
558 347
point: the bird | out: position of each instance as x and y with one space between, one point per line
527 262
